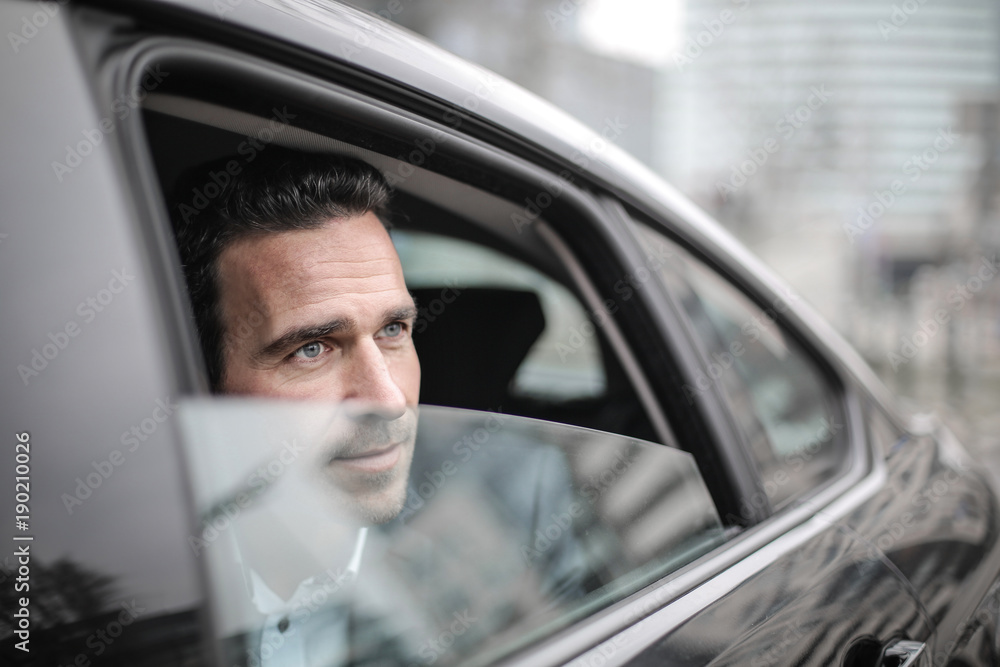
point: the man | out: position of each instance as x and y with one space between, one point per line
298 293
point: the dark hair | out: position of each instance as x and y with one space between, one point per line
281 190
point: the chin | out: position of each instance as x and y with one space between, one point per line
381 507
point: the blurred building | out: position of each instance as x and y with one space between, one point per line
537 45
852 145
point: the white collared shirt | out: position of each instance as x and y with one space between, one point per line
306 629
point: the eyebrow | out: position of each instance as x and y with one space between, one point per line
302 335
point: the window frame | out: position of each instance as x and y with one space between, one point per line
605 245
822 371
796 322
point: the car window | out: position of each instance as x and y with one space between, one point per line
502 324
512 528
785 406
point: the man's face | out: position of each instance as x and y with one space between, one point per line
334 320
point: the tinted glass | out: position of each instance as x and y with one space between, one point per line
787 409
510 529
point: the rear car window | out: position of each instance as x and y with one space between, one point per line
787 409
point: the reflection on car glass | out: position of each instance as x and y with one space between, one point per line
510 529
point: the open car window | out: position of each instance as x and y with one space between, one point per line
511 530
504 324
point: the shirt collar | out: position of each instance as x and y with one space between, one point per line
268 602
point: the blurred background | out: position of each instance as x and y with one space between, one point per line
853 146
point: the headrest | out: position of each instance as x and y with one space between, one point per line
471 342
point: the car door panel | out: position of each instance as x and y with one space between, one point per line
102 567
805 608
936 523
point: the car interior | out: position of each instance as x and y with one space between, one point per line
515 324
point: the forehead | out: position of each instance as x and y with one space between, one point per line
349 260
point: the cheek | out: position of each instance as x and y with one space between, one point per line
271 383
406 373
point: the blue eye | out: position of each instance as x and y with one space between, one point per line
393 330
309 351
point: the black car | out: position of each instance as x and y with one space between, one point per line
716 477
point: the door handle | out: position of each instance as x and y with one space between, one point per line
904 653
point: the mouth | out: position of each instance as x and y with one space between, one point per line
371 461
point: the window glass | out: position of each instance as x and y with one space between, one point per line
885 435
783 403
555 368
509 529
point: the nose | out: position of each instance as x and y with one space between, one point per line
369 380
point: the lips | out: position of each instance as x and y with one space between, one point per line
371 461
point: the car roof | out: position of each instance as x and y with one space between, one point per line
367 42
